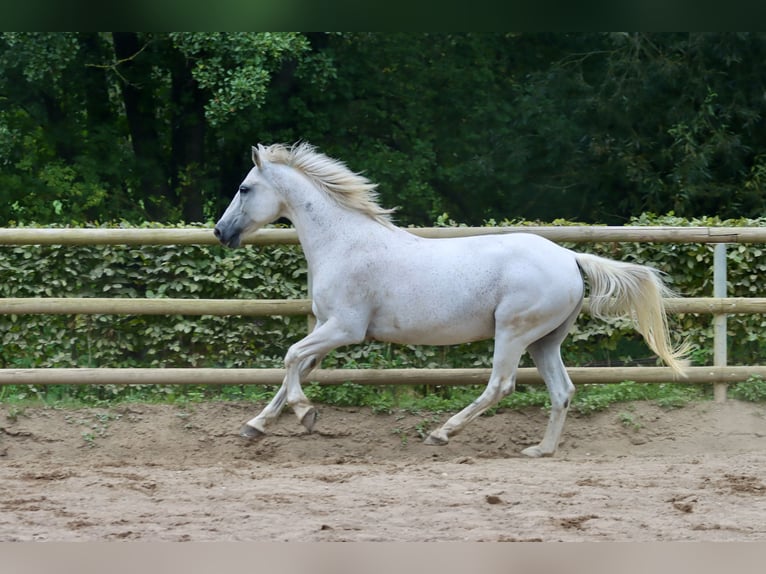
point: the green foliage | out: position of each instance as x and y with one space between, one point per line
594 127
590 399
132 126
753 390
62 160
350 394
150 341
235 68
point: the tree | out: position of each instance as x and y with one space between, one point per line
52 129
654 122
127 125
596 127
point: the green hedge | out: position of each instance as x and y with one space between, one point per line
182 271
279 272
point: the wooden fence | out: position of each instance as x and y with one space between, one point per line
719 305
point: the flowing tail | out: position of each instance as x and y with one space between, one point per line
619 289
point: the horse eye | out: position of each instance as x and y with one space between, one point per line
244 189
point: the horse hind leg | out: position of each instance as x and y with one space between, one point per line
547 357
508 351
546 353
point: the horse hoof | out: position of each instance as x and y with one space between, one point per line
535 452
250 432
309 419
435 440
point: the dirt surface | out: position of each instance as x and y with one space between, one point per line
181 473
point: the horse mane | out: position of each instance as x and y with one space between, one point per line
352 190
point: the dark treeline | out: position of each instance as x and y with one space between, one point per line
595 127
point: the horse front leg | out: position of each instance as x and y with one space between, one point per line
290 393
256 427
302 358
298 370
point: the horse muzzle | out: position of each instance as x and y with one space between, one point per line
229 238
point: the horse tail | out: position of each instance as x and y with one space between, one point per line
619 289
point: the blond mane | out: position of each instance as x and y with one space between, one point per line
352 190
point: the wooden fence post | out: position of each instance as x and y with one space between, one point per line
719 319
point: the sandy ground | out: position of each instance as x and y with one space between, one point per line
181 473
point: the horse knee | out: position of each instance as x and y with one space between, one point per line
305 363
291 357
494 393
507 387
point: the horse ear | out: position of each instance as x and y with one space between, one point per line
256 155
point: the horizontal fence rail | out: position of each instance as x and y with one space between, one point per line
117 306
222 376
278 236
719 306
265 307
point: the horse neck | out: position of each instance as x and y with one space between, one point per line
324 225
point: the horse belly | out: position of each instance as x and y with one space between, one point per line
432 325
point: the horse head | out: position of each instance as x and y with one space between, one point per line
256 203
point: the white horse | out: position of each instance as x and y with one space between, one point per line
373 280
